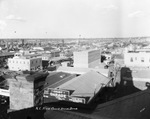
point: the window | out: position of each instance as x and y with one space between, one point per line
131 59
142 59
135 58
24 62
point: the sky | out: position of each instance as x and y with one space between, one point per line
74 18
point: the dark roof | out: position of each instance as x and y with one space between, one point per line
63 115
86 85
48 48
32 77
6 54
55 77
134 106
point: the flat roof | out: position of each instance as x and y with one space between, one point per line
27 56
86 85
139 51
83 51
58 58
6 54
32 76
141 73
118 56
78 70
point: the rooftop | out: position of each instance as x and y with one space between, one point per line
28 56
77 70
118 56
85 51
6 54
86 85
141 73
31 76
55 77
139 51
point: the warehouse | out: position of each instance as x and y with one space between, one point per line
53 80
81 89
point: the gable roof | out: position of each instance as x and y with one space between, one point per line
86 85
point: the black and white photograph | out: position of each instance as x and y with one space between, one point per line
74 59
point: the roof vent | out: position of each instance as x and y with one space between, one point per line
62 76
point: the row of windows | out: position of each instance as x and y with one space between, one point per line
23 62
17 68
32 62
38 67
35 68
135 59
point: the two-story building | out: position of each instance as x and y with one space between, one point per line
137 58
22 62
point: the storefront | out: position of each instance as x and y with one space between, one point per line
64 95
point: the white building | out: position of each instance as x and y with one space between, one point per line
24 62
137 58
87 59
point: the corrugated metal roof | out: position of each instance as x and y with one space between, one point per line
77 70
85 85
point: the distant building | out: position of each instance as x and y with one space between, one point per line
46 57
65 64
87 59
5 55
38 48
108 56
24 62
55 53
62 54
137 58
